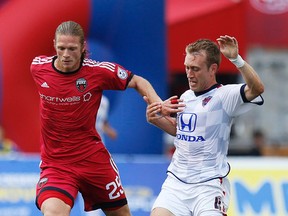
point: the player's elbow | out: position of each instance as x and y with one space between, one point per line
259 89
136 82
256 89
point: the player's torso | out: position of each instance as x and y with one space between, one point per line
67 91
69 101
199 126
201 141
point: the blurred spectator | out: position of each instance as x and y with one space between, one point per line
6 145
258 143
102 124
169 147
256 147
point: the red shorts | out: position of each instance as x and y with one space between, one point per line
96 178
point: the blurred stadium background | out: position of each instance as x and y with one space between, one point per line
148 37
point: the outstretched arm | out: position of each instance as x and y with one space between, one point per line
229 48
144 88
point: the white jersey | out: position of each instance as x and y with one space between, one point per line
203 132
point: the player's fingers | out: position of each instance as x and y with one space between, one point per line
153 109
173 98
175 104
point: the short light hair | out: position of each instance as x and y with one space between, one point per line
213 54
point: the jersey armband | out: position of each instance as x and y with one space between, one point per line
258 100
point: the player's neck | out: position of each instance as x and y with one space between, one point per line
62 69
216 85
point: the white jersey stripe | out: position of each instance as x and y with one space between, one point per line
107 65
39 60
104 66
86 62
112 66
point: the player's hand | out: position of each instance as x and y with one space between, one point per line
153 110
165 109
171 106
228 46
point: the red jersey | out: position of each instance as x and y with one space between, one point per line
69 103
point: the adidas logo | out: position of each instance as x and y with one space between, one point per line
45 85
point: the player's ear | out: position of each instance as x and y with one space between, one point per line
84 46
213 68
54 43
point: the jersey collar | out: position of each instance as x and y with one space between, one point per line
71 72
217 85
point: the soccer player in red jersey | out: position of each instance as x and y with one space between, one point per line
73 157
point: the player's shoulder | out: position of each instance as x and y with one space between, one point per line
229 87
104 100
227 91
90 62
41 60
104 103
99 64
187 94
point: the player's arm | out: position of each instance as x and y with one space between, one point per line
229 48
254 86
144 88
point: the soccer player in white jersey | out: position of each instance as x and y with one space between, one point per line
196 183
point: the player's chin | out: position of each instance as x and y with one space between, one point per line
193 87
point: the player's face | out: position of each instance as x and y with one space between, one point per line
200 77
69 51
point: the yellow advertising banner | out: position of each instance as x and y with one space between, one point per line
259 187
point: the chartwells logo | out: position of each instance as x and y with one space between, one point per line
59 99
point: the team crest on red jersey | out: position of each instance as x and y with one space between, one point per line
42 181
81 84
206 100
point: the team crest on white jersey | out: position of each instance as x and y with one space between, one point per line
122 74
81 84
206 100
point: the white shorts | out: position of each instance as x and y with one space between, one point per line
209 198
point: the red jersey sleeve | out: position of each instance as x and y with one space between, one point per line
109 76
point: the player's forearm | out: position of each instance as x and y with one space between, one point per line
144 88
255 87
165 125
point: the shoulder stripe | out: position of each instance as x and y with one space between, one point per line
91 63
41 60
107 65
